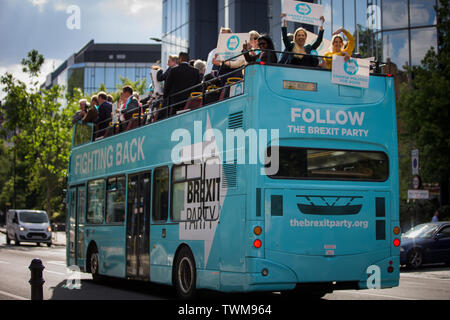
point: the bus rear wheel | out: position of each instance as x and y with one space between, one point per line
94 264
185 274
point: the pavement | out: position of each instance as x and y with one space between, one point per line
58 237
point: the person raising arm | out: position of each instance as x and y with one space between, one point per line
337 47
302 52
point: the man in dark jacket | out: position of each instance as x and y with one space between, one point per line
104 113
180 78
172 61
131 104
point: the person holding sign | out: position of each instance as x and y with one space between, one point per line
234 64
302 53
337 47
266 53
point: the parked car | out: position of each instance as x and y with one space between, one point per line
28 226
426 243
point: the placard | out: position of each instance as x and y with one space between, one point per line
157 87
229 45
303 12
353 72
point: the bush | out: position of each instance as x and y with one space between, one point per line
444 213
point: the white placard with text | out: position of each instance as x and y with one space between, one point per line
354 72
229 45
303 12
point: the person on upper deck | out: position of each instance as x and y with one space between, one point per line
285 56
91 112
338 48
266 54
172 61
200 65
301 53
181 77
79 115
234 64
131 103
212 54
104 112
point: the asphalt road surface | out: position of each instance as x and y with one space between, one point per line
428 283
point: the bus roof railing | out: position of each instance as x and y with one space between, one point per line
140 116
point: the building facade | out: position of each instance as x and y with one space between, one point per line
399 30
97 64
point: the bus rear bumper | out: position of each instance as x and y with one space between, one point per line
368 270
279 277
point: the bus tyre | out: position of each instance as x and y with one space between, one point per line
185 274
95 264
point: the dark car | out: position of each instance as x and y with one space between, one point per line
426 243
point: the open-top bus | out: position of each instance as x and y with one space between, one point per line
284 181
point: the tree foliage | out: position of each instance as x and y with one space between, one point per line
41 141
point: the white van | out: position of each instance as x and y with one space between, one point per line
28 226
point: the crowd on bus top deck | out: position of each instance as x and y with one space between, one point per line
183 73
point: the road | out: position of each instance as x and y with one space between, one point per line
429 283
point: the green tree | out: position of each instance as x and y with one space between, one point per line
424 108
42 133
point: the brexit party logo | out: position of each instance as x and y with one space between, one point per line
351 67
233 43
303 9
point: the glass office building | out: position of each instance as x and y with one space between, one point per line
399 30
175 28
97 64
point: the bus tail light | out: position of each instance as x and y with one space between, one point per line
396 242
257 243
390 269
396 230
257 230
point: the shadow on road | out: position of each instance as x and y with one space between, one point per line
122 289
113 289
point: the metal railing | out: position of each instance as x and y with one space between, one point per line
205 93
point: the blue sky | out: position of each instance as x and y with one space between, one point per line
42 25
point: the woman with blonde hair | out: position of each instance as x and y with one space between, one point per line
301 53
338 48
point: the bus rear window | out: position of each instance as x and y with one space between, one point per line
330 164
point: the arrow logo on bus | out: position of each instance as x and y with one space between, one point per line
329 205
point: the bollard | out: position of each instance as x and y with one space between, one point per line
37 281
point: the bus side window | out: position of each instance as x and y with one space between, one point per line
96 201
160 194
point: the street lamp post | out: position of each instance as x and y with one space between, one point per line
169 43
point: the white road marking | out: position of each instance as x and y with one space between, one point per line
12 295
58 263
377 295
5 262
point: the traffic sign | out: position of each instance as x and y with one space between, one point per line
415 161
418 194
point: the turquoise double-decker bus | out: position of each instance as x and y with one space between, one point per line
284 181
